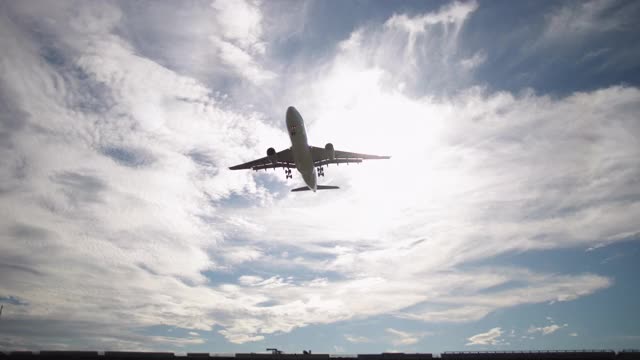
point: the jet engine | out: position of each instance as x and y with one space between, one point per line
271 154
329 151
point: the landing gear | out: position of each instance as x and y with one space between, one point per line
287 174
320 171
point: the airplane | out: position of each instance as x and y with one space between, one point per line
306 159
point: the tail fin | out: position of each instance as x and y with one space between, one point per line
319 187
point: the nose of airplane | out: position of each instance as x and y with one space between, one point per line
292 113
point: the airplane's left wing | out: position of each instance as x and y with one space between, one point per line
282 159
322 156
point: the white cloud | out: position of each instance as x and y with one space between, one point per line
573 334
241 38
582 31
453 314
240 338
240 60
241 21
542 288
546 330
595 247
572 20
402 53
250 280
474 61
180 342
357 339
431 39
405 338
593 54
453 13
490 337
136 230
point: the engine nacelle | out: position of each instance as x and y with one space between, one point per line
271 154
330 151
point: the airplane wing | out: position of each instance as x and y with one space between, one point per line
322 157
283 159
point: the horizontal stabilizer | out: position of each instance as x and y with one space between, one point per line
320 187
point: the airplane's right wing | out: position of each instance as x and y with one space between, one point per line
323 156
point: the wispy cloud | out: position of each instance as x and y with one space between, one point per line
426 44
490 337
451 15
127 216
580 19
542 288
241 40
404 337
546 330
474 61
357 339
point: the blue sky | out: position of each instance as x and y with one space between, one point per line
506 219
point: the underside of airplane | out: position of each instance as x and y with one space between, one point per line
310 161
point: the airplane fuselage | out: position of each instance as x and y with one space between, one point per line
300 148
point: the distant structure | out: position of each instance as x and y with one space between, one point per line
541 355
306 355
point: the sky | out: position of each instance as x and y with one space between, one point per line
506 219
